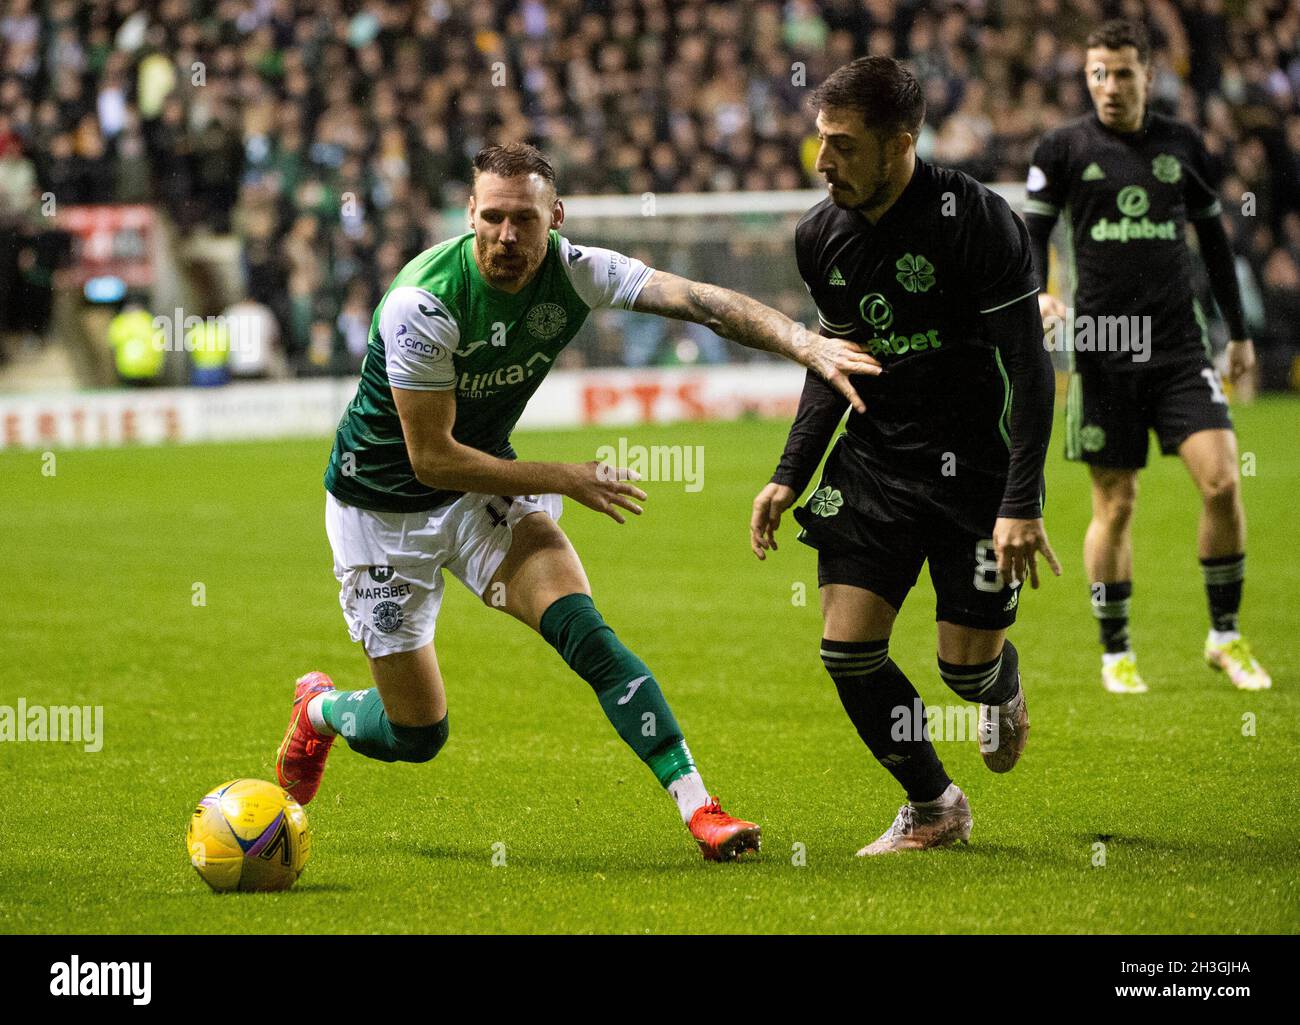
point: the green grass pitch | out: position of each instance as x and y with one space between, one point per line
1197 817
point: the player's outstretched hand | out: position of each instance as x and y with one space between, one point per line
836 359
1050 309
1018 543
771 502
604 488
1241 358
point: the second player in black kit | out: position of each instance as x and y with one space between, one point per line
942 291
1125 182
1127 199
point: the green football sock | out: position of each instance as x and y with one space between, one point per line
624 685
358 717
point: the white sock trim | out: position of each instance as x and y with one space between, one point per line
316 716
689 793
947 799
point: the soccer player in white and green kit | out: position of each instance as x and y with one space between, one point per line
423 477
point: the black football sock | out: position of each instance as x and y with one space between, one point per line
887 713
1110 605
1224 577
990 683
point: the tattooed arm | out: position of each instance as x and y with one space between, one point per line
747 321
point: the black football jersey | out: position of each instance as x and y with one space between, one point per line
1126 199
914 290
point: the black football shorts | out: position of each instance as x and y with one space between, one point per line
1108 414
874 531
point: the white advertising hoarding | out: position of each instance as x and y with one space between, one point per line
268 410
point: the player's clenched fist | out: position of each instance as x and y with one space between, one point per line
1017 543
604 488
771 502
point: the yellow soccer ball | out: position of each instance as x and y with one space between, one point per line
248 835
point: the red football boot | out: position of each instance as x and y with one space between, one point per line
300 762
721 837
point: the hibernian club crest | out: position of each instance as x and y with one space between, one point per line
546 320
388 616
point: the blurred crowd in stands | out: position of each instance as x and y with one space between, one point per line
328 135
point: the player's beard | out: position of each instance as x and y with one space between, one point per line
501 271
878 194
873 198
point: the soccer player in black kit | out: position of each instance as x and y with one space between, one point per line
1127 181
931 273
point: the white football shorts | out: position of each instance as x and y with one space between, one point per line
389 564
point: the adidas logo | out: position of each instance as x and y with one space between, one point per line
1092 173
836 277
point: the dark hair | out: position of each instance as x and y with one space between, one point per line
1119 33
887 94
512 160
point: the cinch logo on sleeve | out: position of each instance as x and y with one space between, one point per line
102 979
1133 204
414 343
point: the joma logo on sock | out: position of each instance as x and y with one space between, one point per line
102 979
632 688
